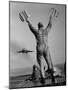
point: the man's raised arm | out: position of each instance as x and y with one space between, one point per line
33 30
24 17
49 25
53 14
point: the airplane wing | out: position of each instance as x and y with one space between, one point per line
24 51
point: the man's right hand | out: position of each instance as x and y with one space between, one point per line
23 16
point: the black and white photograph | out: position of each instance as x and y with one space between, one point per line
37 44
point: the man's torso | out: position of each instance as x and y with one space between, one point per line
42 39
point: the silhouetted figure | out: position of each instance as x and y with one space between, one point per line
35 73
41 35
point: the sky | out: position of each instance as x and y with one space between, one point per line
22 37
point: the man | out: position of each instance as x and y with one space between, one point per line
43 53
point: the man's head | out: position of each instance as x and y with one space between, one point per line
40 25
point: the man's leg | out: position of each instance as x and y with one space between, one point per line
42 67
49 63
41 64
48 59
